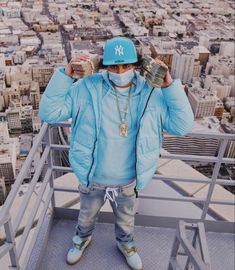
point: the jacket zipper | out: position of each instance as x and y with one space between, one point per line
88 182
161 123
146 104
76 117
161 132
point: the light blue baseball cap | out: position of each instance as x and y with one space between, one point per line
119 50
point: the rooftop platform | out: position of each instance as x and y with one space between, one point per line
154 246
38 235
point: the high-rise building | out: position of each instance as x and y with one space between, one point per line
2 73
183 65
19 57
27 92
2 86
13 119
35 96
219 109
230 150
162 48
193 145
220 65
203 101
42 74
18 73
2 60
4 134
7 156
36 121
202 54
227 49
197 69
231 79
229 103
2 190
228 126
19 118
3 117
11 12
218 83
26 115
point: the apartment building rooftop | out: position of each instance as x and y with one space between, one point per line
203 94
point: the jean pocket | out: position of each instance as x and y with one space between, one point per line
83 189
129 191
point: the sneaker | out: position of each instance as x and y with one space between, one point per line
132 257
75 253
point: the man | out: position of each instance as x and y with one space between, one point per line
116 135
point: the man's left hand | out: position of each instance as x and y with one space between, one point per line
167 79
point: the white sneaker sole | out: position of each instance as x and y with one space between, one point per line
72 263
126 259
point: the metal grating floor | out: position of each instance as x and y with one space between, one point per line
154 245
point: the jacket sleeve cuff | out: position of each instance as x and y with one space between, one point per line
174 93
59 83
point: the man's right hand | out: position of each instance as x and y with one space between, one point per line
79 58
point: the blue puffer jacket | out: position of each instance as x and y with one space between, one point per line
158 109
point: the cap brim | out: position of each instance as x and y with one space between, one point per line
119 62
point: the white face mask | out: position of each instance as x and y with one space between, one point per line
121 79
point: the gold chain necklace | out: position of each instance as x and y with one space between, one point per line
123 128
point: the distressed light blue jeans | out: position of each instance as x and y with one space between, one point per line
122 200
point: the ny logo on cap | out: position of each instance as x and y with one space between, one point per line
119 50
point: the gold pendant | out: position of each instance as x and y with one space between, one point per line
123 130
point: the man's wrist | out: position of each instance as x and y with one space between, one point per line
167 84
65 72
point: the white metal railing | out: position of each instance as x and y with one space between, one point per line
11 226
211 181
46 193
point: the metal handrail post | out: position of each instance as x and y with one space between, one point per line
215 173
20 177
31 188
48 141
10 238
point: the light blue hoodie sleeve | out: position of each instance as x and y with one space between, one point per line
56 101
179 117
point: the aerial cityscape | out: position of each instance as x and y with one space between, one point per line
195 39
